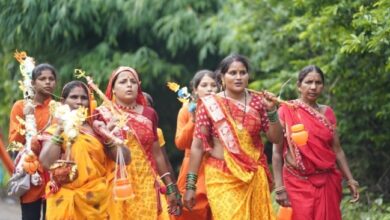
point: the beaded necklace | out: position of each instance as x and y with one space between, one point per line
127 108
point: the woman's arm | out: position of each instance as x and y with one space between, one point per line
185 129
112 143
51 149
196 157
173 195
277 166
343 165
275 132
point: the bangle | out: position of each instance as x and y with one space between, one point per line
351 182
272 116
171 188
164 175
56 139
280 189
191 180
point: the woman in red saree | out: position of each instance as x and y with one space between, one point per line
307 175
139 131
227 128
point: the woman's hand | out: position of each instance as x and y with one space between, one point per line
174 204
270 100
282 199
189 199
353 186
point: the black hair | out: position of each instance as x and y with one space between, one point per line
149 98
308 69
227 61
194 83
37 71
71 85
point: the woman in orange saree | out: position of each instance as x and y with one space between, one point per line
203 83
307 170
228 125
139 130
86 196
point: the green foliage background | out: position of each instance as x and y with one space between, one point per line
170 40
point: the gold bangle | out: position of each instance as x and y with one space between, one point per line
351 182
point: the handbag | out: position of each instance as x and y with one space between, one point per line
18 184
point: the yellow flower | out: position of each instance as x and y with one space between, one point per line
173 86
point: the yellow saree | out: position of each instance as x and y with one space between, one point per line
86 197
146 203
237 187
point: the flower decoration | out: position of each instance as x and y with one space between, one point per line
15 146
27 63
72 120
173 86
182 93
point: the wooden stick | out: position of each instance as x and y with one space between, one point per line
275 99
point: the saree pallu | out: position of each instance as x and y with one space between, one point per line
146 203
85 197
237 187
313 183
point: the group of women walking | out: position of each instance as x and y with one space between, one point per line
224 173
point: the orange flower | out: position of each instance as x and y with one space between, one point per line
20 56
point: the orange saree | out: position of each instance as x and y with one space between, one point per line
85 197
238 186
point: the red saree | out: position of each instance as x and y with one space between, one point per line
313 183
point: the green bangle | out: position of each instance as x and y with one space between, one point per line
190 186
272 116
171 188
56 139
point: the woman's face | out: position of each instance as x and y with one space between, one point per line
207 86
311 87
45 83
125 88
77 97
236 78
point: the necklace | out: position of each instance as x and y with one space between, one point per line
127 107
239 125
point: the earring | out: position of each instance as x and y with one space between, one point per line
223 85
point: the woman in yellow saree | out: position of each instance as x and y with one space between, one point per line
139 130
85 197
228 127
